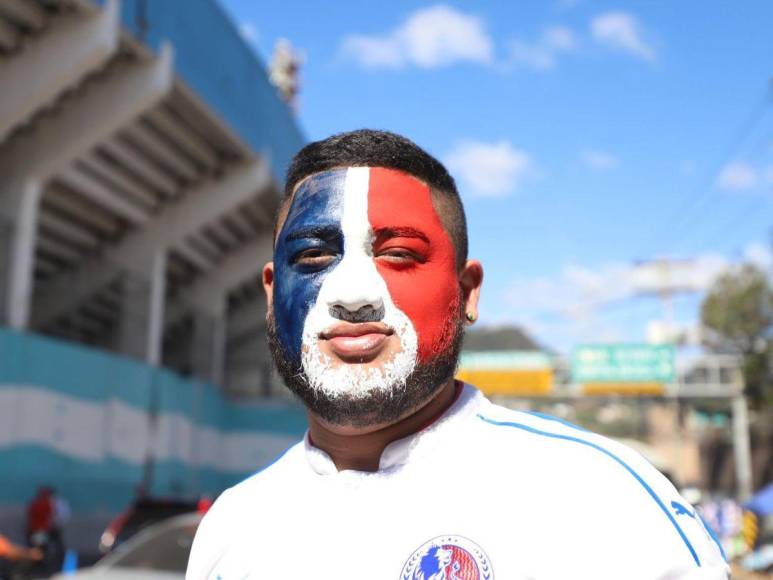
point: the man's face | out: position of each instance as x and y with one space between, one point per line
366 295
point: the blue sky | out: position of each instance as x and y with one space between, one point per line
586 137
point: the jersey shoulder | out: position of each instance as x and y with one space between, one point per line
287 465
508 428
602 480
229 517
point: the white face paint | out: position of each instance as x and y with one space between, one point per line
352 284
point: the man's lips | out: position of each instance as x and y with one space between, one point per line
357 341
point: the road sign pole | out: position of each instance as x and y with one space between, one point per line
742 448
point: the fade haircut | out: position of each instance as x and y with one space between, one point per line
371 148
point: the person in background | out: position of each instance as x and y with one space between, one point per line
10 553
40 515
42 528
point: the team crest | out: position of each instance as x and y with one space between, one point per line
448 558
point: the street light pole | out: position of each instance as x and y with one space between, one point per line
742 447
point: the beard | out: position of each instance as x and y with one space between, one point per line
377 406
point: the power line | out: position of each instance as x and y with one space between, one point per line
703 192
737 220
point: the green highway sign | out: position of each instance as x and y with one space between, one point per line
623 363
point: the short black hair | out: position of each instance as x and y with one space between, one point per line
373 148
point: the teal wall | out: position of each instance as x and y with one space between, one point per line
84 420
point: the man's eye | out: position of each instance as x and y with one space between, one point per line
399 256
315 257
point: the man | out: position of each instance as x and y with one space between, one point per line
43 529
405 473
40 516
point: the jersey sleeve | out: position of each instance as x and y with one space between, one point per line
617 515
680 543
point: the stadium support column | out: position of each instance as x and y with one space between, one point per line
20 205
29 159
208 295
208 344
249 366
140 330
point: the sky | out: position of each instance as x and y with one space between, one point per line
587 138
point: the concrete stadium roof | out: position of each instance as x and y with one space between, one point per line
130 159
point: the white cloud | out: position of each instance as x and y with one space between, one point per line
428 38
689 275
559 38
248 32
542 54
759 254
489 169
566 309
598 160
621 31
737 176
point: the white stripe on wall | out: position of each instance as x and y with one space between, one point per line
91 431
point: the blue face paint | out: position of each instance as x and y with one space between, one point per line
313 222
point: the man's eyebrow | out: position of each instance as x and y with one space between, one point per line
320 232
401 232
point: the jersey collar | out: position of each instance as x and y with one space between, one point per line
408 449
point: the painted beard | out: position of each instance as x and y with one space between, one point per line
357 380
365 405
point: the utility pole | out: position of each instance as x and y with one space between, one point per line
742 447
664 277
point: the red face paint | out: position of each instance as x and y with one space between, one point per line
415 256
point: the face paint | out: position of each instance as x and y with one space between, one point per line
388 257
355 285
313 222
403 218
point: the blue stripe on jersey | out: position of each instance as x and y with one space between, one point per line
713 535
608 454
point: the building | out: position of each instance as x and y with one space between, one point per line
142 155
142 152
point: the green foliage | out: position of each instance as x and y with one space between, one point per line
738 312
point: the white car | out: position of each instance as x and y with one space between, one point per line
159 552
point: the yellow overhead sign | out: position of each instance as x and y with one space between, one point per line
509 382
624 388
507 372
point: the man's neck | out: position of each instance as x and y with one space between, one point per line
361 449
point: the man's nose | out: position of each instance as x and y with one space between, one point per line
356 291
357 295
365 313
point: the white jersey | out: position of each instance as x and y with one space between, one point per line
484 492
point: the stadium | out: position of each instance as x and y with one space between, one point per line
141 169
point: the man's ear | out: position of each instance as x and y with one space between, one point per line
268 283
471 279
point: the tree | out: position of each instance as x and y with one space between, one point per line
738 312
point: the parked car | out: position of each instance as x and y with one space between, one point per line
141 514
158 552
